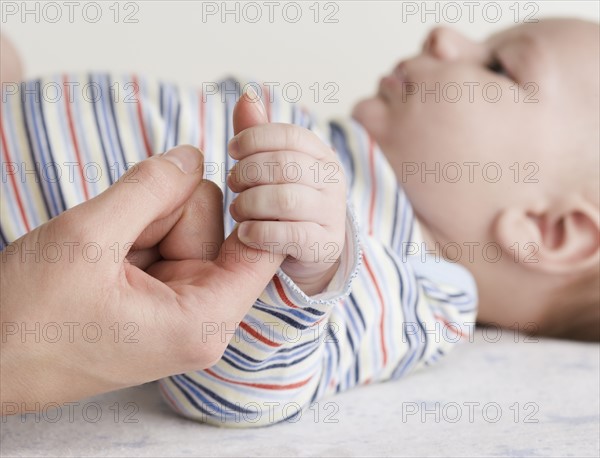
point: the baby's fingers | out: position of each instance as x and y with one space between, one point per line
278 137
284 202
280 167
296 239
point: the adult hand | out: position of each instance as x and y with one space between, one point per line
85 311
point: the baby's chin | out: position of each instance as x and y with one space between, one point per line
372 114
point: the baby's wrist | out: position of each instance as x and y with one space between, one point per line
311 279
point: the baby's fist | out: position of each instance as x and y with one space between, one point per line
292 195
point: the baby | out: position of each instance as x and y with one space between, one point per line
389 220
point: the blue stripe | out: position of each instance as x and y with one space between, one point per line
32 129
271 366
115 123
61 205
105 149
221 400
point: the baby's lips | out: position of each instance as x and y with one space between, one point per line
400 72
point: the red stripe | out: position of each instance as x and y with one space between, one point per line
372 170
74 138
265 386
138 106
448 325
12 178
259 336
281 292
381 333
201 138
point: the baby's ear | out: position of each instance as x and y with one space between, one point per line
562 238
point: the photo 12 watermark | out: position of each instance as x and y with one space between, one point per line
268 412
436 12
70 12
490 172
71 412
470 91
91 252
469 412
71 332
37 91
323 91
269 12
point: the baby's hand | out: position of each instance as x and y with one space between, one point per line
292 194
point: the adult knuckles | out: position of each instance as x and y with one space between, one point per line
210 191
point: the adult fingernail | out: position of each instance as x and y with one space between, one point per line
187 159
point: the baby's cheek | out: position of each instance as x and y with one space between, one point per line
373 115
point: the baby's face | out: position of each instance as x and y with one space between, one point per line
525 101
529 95
473 128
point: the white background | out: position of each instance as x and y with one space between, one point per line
173 41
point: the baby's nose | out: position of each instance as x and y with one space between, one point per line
445 43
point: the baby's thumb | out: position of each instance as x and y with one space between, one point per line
249 111
150 190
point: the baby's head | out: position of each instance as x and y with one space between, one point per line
504 173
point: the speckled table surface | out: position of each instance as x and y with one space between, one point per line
487 398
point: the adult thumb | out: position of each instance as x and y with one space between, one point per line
148 191
245 272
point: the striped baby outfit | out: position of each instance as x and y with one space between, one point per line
387 311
